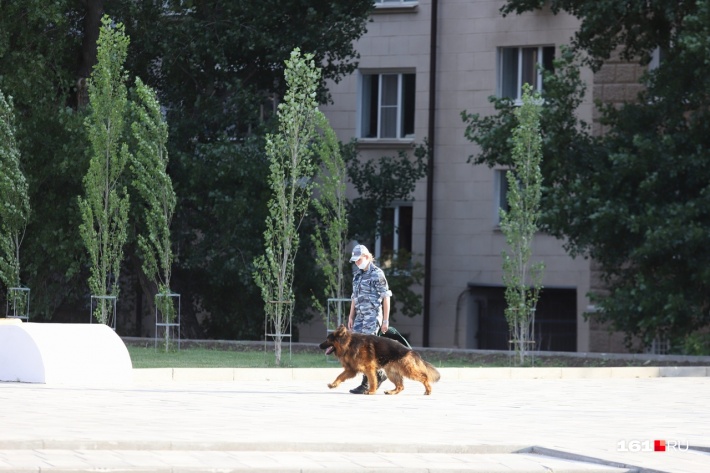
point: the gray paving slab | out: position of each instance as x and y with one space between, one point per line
288 420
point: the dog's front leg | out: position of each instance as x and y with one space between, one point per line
371 380
347 374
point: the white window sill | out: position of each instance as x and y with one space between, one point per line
404 7
385 143
519 102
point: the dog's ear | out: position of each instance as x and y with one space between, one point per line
341 330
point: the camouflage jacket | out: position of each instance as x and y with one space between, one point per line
369 289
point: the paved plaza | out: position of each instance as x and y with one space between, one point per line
287 420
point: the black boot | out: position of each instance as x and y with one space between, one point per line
363 388
381 378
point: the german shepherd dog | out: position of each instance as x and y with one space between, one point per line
366 354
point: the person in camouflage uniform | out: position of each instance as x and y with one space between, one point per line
370 307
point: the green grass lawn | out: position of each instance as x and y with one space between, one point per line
254 357
149 357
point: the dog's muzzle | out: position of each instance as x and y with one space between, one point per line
328 349
327 346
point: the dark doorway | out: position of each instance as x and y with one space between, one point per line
555 320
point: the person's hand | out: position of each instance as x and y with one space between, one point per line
385 326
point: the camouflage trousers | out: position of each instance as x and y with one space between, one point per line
367 321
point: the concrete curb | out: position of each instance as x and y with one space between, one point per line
451 374
370 447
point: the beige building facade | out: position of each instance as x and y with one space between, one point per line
389 104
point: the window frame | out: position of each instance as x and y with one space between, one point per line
404 110
543 57
657 57
396 225
500 190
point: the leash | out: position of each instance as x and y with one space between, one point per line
393 334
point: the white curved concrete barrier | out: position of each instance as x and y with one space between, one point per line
86 354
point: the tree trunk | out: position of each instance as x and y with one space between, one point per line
139 309
87 57
147 287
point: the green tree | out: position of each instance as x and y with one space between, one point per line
635 199
14 203
150 178
380 182
523 279
218 68
637 26
291 153
39 51
330 234
104 209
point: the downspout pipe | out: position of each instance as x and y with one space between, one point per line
430 170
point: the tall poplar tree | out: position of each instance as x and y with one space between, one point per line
150 163
330 234
14 202
104 208
291 153
523 279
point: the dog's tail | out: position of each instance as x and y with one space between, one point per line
433 373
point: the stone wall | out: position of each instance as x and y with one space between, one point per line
616 82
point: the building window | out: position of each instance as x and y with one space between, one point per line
395 233
387 106
657 57
500 183
518 66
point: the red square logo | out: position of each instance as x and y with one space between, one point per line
659 445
